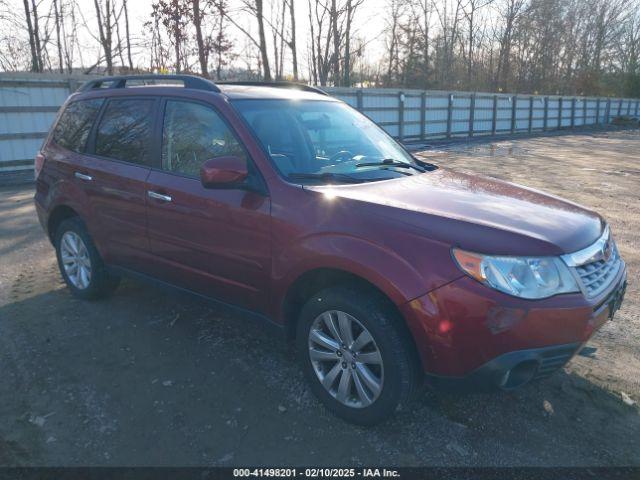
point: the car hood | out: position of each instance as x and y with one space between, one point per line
479 213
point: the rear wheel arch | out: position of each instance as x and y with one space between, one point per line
79 252
57 216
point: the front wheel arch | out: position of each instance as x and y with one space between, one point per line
311 282
402 373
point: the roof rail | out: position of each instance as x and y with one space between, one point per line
120 81
279 84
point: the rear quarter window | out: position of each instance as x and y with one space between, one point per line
124 132
74 125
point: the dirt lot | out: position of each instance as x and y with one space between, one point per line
146 378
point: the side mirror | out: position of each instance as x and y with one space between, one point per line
223 172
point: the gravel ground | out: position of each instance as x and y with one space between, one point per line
147 378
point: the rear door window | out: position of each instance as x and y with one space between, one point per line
72 130
125 130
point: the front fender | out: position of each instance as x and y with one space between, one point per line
381 266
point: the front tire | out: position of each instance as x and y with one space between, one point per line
356 355
80 264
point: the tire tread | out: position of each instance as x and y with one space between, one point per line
103 283
390 328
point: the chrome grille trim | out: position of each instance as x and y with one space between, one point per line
596 266
590 253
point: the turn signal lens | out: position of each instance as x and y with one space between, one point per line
471 263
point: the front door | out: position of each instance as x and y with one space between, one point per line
212 241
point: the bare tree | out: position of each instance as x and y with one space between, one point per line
629 52
36 34
202 52
159 54
510 14
335 35
424 26
175 16
107 20
14 55
546 46
125 7
292 40
350 10
34 37
58 23
221 45
278 26
471 10
449 15
396 10
320 42
255 9
259 14
331 23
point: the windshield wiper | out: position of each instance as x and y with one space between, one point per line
326 177
390 162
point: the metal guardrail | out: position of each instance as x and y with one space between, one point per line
28 106
411 115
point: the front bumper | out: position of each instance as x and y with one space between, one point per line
510 370
468 333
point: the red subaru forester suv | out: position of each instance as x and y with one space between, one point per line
290 205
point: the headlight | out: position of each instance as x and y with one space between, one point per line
524 277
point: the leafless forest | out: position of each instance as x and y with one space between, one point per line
589 47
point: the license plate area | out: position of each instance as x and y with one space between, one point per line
615 301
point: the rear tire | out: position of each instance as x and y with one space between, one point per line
369 345
80 263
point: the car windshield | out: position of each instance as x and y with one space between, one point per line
325 142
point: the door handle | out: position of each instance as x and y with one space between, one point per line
82 176
158 196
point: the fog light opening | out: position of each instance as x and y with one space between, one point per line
522 373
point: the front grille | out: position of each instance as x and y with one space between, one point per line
596 276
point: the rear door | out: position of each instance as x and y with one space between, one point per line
212 241
114 171
65 153
71 133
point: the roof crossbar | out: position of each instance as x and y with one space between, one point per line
292 85
120 81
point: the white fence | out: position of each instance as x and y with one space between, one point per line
415 115
28 105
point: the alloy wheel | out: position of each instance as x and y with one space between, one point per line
346 359
75 260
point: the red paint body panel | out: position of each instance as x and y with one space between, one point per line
214 242
464 324
117 198
248 248
481 214
326 232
